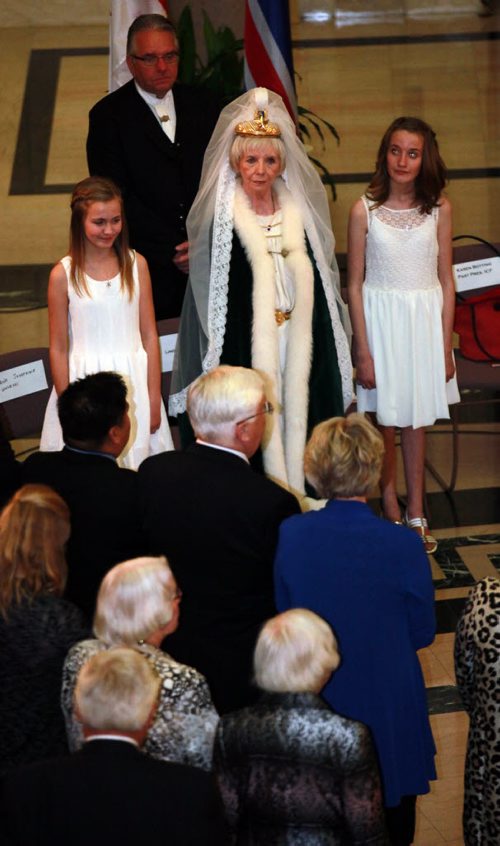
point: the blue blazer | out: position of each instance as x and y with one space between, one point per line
371 580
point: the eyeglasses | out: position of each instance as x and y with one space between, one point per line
151 59
268 409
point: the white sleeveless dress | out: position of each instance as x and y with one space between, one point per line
403 301
104 335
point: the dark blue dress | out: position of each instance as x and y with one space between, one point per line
371 580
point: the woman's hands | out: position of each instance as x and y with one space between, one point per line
149 337
449 365
154 413
356 243
365 371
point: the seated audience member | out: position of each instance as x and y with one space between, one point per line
37 627
477 667
102 497
108 792
217 520
371 580
138 606
290 769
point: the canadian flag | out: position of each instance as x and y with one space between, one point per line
121 15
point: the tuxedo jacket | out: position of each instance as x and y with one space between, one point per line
159 179
110 793
217 522
105 523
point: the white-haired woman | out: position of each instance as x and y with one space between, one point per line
290 769
263 285
138 606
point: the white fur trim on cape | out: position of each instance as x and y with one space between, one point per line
283 461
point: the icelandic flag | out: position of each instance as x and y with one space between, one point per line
268 49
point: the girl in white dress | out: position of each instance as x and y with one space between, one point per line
401 301
101 317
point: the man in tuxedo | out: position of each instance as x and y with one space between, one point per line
149 137
102 497
217 521
109 792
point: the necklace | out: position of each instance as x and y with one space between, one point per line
270 217
271 222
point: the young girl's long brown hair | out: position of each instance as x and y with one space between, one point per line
430 181
96 189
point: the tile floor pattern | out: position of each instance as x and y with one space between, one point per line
446 70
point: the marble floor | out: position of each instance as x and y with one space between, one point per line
445 69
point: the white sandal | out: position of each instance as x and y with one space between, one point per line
421 526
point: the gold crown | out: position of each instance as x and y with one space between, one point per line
259 127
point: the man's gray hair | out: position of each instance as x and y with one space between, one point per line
219 399
116 691
296 652
149 23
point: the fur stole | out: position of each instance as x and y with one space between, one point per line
283 446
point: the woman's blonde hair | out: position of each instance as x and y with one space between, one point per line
96 189
343 457
243 144
34 527
135 599
296 652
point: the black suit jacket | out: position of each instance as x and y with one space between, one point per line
10 470
159 179
110 793
217 521
105 524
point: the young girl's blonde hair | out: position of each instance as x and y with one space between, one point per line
96 189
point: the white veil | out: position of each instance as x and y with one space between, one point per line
210 231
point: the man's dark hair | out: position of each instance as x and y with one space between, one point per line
148 22
89 407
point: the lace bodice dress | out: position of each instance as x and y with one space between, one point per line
403 301
104 334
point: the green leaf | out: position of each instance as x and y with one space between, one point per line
187 47
307 114
211 37
304 130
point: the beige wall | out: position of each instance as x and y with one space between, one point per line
53 12
366 9
77 12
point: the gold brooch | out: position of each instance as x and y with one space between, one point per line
281 316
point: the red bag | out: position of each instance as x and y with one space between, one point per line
477 319
477 322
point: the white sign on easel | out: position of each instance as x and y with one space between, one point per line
167 347
482 273
24 379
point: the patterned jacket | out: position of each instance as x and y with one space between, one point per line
184 725
292 771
